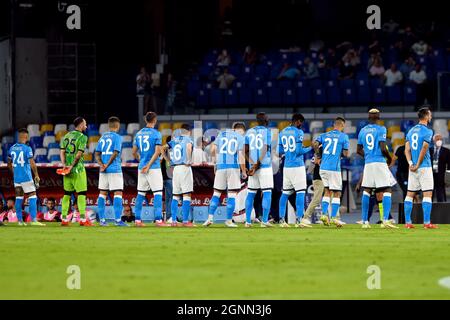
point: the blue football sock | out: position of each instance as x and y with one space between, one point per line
174 209
325 205
387 203
138 207
18 205
335 204
300 204
33 207
231 204
185 209
101 208
427 205
365 206
118 206
157 206
249 206
214 204
266 202
407 206
282 206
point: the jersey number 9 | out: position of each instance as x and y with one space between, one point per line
288 143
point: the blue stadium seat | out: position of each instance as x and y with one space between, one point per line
246 72
204 71
53 145
275 96
262 71
270 84
333 74
285 84
304 96
245 96
36 142
231 97
362 91
239 84
378 95
319 96
347 83
334 95
49 133
328 124
316 84
289 96
55 158
361 125
273 124
234 70
92 127
394 94
41 159
305 127
405 125
409 94
254 84
260 96
210 125
216 97
301 84
362 75
202 98
376 82
349 95
193 87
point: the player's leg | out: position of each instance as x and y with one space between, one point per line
231 205
368 183
80 184
174 208
186 208
177 192
427 186
288 189
143 187
252 189
103 186
233 185
187 188
118 208
365 203
407 208
266 182
32 201
220 184
324 175
155 181
18 205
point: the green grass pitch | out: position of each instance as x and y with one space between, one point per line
221 263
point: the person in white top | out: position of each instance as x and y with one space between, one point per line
393 76
420 48
418 76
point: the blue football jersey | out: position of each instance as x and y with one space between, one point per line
20 155
228 143
146 141
290 143
333 143
370 137
178 147
257 139
108 143
416 136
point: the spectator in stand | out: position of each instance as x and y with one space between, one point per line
407 67
377 70
224 59
9 214
250 56
352 56
52 215
322 63
127 214
409 38
346 71
390 26
288 72
419 77
401 51
143 83
332 59
226 79
420 48
372 59
2 212
393 76
310 69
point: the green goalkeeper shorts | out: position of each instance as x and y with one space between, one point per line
75 182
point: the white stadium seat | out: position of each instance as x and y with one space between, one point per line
71 127
440 127
40 152
127 154
348 123
127 138
92 146
398 135
103 128
7 139
350 130
33 130
48 140
60 127
352 146
132 128
53 152
316 124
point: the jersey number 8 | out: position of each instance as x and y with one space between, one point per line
415 141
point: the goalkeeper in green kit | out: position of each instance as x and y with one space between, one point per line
72 148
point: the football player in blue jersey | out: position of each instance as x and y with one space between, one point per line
258 142
376 176
147 150
21 163
290 145
228 153
420 177
334 145
107 155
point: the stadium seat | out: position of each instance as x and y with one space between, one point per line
126 145
202 98
378 95
319 96
316 124
132 128
129 138
60 127
60 135
275 96
47 140
289 96
210 125
123 129
7 139
193 87
262 70
394 94
283 124
285 84
55 158
92 146
41 159
260 96
391 130
316 84
363 92
46 127
231 97
52 152
334 95
307 140
252 124
127 155
269 84
398 135
303 95
349 95
216 97
350 130
36 142
93 139
405 125
353 143
88 157
33 130
346 84
440 126
103 128
177 125
40 152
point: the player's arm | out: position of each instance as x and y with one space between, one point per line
35 170
360 150
165 152
112 158
189 153
77 159
317 153
62 152
422 154
98 158
158 150
136 154
10 165
241 156
385 152
408 153
345 147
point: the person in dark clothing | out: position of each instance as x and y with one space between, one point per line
167 173
127 215
402 169
440 158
